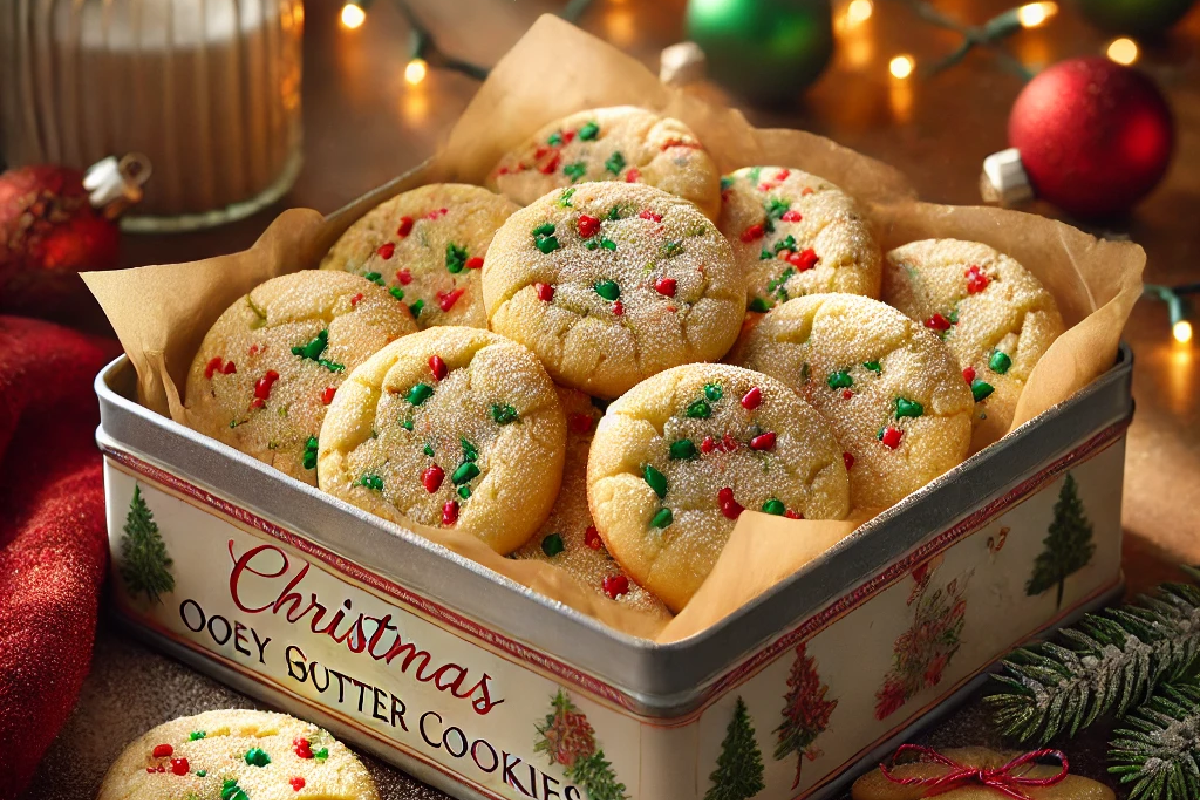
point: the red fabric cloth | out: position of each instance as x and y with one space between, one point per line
53 542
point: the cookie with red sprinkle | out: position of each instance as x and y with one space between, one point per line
609 283
237 754
569 539
892 393
478 449
796 234
624 143
271 364
683 454
994 316
427 246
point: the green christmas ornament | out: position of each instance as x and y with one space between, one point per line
764 50
1137 17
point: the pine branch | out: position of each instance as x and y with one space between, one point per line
596 775
1109 662
1160 752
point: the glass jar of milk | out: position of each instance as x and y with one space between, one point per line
207 90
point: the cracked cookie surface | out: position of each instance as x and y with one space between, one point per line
609 283
679 457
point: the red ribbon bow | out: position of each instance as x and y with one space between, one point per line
1001 779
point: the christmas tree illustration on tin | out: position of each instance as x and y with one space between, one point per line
806 712
739 772
145 565
1069 545
567 738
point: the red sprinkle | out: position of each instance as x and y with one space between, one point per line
807 191
976 280
437 366
450 513
502 170
618 309
257 402
615 585
728 443
180 766
438 212
545 292
766 186
262 386
667 145
297 783
475 262
891 437
302 747
591 537
405 228
568 136
256 349
541 151
730 507
848 459
665 286
847 394
756 231
783 174
163 750
214 365
804 260
725 495
792 514
764 441
938 323
155 769
354 300
447 299
404 276
230 368
386 251
580 423
791 215
707 445
646 213
327 394
588 226
752 399
969 374
633 175
432 477
551 166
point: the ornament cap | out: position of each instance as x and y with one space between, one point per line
1004 179
114 185
681 64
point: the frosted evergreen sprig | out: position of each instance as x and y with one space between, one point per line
1112 661
1159 753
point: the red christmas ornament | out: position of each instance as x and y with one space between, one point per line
1088 135
56 222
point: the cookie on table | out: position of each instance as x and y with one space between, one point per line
609 283
568 539
451 427
678 458
237 754
625 144
996 318
796 234
272 363
427 247
892 392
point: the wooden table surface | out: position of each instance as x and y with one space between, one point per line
364 124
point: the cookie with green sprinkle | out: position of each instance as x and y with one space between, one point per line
994 316
626 144
271 364
427 246
680 456
609 283
237 754
796 234
568 539
454 428
891 391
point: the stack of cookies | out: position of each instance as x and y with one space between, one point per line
537 363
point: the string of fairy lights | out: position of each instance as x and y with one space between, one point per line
424 53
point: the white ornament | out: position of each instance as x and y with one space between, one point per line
681 64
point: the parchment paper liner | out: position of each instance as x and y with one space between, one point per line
161 313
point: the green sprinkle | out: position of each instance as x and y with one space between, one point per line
615 163
374 277
589 131
545 229
231 791
608 244
614 213
683 449
310 462
663 518
999 363
776 207
656 480
547 244
786 243
396 292
713 391
765 254
196 736
840 380
371 482
466 471
428 450
419 394
416 307
257 757
469 451
773 507
313 350
699 410
332 366
952 317
456 257
591 244
759 305
321 754
407 425
782 279
575 171
233 423
873 366
555 139
200 773
726 182
564 199
671 249
981 389
753 174
504 414
552 545
609 290
908 408
464 492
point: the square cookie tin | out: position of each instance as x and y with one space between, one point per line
487 690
